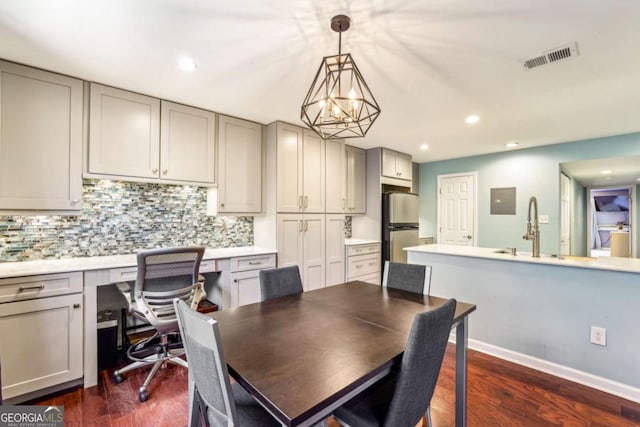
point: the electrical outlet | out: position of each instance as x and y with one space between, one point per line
598 335
543 219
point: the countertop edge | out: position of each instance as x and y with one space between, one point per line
626 265
67 265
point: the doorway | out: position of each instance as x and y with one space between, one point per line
457 210
610 222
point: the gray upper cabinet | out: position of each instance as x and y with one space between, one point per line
356 180
124 133
40 140
396 165
139 138
239 165
187 143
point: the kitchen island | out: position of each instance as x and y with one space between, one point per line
539 311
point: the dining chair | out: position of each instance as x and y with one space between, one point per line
407 277
402 397
211 393
280 282
163 274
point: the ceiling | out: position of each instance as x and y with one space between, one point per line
429 63
605 172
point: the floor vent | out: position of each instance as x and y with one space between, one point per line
555 55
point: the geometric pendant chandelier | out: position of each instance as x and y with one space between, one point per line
339 103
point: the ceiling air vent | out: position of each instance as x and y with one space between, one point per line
555 55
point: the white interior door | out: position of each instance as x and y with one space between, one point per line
565 215
457 209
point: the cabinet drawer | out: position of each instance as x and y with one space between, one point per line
363 249
257 262
128 274
363 264
31 287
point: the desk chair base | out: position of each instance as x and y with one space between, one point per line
163 356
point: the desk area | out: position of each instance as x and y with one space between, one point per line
61 295
350 335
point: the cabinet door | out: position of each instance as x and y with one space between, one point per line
245 288
335 271
356 181
290 227
404 166
313 168
313 274
40 343
187 143
124 133
389 158
335 177
239 165
289 168
41 140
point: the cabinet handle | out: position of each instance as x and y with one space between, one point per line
343 203
306 201
164 171
254 263
371 264
306 225
235 280
300 226
31 288
76 305
358 265
75 201
300 201
222 205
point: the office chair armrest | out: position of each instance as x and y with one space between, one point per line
199 295
125 289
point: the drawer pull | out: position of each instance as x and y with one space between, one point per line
371 264
358 265
31 288
76 305
254 263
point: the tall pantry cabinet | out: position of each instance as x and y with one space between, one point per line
305 180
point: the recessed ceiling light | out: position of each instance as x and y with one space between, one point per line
472 119
606 172
187 64
424 147
511 144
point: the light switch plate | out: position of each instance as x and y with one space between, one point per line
543 219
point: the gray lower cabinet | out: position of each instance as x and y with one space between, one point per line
245 278
41 332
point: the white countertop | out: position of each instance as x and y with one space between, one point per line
356 241
631 265
28 268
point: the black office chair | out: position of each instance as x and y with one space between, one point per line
402 397
407 277
211 394
163 275
280 282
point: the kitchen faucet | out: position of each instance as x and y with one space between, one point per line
533 231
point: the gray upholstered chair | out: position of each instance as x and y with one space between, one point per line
407 277
211 394
280 282
163 275
402 397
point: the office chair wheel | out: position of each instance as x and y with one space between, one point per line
143 395
117 378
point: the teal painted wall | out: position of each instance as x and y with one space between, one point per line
534 172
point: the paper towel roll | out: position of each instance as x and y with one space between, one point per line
620 243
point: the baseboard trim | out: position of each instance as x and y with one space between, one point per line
599 383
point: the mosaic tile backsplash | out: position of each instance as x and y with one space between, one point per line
122 218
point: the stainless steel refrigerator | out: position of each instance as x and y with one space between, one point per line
399 225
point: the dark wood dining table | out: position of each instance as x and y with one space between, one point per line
303 356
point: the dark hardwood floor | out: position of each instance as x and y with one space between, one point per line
500 394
